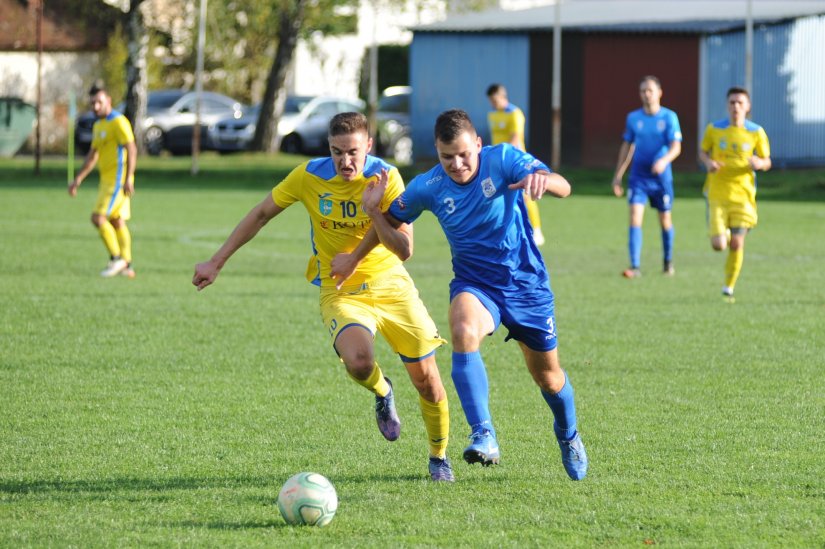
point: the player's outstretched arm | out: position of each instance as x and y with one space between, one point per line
207 272
540 182
88 166
397 237
625 155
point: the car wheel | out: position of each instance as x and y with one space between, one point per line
402 150
292 144
153 139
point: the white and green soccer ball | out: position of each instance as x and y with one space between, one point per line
308 499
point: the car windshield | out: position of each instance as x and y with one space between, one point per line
162 100
395 103
295 103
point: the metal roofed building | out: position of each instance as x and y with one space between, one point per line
696 48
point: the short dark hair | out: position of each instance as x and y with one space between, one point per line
652 78
97 87
737 89
452 123
493 89
346 123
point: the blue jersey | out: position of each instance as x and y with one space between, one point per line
484 221
652 135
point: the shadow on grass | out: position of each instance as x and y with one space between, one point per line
9 487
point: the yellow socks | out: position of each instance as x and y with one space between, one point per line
124 239
375 383
437 420
733 266
107 233
533 213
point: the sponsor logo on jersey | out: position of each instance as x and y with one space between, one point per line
532 164
400 201
488 187
435 179
324 204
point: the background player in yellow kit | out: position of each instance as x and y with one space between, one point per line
732 150
506 123
113 150
378 296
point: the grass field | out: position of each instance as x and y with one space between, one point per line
143 413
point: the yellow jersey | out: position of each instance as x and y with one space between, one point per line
732 147
504 123
337 222
110 135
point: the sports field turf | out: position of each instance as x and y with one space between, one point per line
143 413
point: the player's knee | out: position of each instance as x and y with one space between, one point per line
719 244
465 337
97 220
359 365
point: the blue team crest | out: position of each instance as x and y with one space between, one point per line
488 187
324 204
723 144
660 125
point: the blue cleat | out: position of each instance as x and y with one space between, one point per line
573 457
483 448
386 416
441 470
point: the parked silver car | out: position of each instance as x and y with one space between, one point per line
302 128
170 120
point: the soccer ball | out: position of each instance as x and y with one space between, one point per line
308 499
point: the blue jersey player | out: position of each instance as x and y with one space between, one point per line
652 139
500 277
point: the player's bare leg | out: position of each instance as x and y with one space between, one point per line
355 347
470 322
558 393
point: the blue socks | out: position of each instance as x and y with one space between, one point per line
563 406
667 244
470 379
634 244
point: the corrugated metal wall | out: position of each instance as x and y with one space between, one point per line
788 85
453 70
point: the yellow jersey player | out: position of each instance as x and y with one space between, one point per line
379 296
506 123
732 150
113 150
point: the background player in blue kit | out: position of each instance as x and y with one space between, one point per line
652 139
500 277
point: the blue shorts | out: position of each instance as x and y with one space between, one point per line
659 193
530 317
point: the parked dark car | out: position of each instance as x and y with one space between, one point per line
393 139
170 120
303 127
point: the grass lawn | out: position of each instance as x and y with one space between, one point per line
141 412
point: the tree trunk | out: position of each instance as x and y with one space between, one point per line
272 105
136 79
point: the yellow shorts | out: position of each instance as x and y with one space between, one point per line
112 205
390 306
730 215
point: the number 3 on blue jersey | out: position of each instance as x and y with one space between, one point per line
450 204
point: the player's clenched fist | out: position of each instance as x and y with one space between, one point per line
205 274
